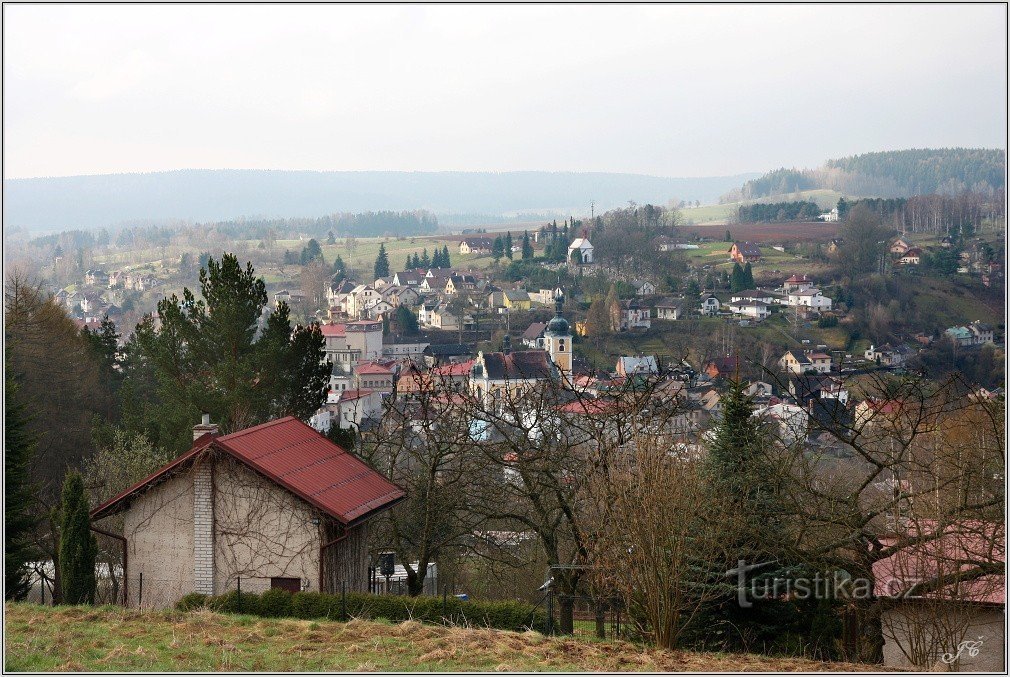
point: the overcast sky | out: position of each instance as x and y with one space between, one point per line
665 90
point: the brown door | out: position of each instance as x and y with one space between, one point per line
289 584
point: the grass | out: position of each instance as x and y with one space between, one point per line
715 214
112 639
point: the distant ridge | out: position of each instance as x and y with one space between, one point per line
58 203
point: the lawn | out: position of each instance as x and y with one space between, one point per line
111 639
723 213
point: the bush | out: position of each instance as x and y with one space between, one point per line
503 615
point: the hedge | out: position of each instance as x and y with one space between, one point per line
503 615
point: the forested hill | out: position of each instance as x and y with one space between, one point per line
74 202
899 173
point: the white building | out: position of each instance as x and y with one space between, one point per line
580 251
809 298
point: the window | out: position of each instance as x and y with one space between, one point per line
561 345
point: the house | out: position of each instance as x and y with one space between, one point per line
765 297
634 315
887 355
981 333
117 278
643 287
96 277
806 387
710 305
956 621
90 302
381 283
408 278
400 295
441 317
899 246
348 343
476 245
830 217
533 337
664 244
743 252
360 298
960 335
637 366
912 257
544 296
375 376
722 367
797 283
517 299
288 296
798 362
749 308
277 505
443 353
670 309
580 251
350 409
788 422
809 298
434 284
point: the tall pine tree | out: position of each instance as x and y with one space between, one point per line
446 261
507 243
19 497
736 279
748 277
527 246
78 546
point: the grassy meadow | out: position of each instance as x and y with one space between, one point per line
112 639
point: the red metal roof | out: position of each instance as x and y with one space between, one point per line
298 458
333 330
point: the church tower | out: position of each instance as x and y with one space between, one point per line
558 338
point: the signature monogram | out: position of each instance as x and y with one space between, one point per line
968 645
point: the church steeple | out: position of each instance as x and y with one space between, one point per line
558 337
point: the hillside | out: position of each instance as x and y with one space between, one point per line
111 639
64 203
900 173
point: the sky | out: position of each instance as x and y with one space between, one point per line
665 90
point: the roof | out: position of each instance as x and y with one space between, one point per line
747 248
798 355
518 365
517 295
372 368
637 365
670 302
724 364
447 349
796 279
981 542
296 457
352 395
534 331
914 251
453 369
580 242
333 330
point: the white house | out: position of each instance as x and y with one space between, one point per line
634 316
670 309
710 305
797 362
749 308
809 298
643 287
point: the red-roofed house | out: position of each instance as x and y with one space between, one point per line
374 376
276 505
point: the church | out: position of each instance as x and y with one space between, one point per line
509 373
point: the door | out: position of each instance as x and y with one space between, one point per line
289 584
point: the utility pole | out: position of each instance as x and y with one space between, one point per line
592 209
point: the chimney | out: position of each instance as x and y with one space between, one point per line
204 427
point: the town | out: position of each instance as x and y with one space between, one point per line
504 338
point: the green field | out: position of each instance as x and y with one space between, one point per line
723 213
111 639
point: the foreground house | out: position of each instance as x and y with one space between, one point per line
276 505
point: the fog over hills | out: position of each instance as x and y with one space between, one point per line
58 203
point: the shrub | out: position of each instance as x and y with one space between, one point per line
503 615
275 603
194 600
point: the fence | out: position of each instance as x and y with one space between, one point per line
590 613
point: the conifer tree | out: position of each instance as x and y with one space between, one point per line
78 546
381 263
497 249
736 279
748 277
445 256
507 243
19 516
425 261
527 246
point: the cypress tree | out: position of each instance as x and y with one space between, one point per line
78 546
19 517
508 244
527 247
425 261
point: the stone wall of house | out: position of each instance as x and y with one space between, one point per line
261 531
159 542
988 624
